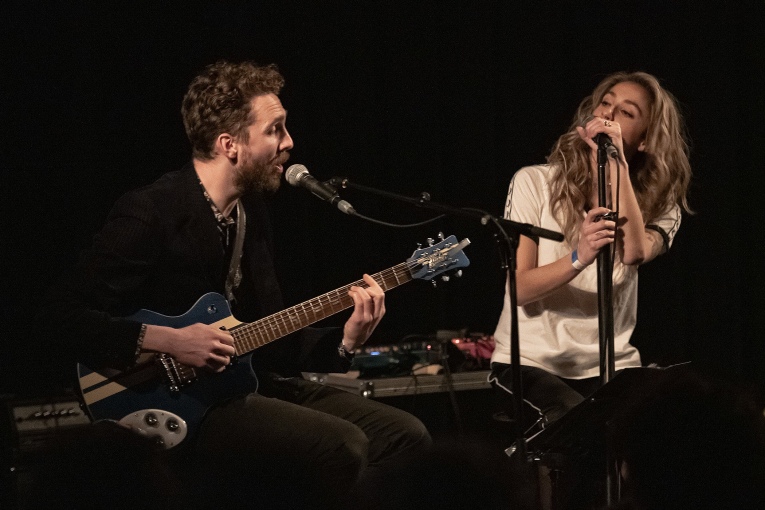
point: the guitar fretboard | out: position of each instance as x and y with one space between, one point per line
249 337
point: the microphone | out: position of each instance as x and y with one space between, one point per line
603 140
298 176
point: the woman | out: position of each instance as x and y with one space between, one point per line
557 282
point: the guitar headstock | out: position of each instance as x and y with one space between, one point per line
437 258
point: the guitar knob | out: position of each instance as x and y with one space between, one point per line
172 425
151 420
368 390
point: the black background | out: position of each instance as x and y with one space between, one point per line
445 97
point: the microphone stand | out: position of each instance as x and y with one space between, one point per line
606 319
605 284
424 201
509 231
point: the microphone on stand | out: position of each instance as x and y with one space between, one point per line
603 140
298 176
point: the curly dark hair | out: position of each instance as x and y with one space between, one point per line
218 101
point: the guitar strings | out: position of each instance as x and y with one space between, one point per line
248 337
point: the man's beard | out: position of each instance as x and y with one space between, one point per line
259 177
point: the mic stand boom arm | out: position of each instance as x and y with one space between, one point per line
424 202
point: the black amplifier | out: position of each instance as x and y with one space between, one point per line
28 428
32 422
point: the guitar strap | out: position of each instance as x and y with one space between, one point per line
234 277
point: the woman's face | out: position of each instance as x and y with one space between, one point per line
628 105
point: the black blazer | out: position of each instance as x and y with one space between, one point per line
160 250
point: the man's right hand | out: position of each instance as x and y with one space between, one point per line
197 345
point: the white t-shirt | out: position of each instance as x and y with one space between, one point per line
559 333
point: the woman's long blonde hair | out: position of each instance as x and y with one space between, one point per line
660 175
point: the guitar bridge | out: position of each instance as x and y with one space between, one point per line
175 374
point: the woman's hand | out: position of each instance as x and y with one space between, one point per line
595 233
610 128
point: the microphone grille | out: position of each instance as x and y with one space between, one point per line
295 173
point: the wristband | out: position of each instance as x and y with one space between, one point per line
575 262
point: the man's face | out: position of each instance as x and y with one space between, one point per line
261 159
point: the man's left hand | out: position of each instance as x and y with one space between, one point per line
368 309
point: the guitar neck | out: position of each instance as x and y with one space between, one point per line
249 337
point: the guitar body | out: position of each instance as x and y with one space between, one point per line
143 398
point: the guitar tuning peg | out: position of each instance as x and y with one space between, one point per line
458 273
445 278
435 283
441 236
431 241
419 246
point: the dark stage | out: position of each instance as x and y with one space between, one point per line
449 98
406 98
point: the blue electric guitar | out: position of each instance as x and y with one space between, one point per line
167 400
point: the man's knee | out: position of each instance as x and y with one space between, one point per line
356 449
417 435
407 434
350 455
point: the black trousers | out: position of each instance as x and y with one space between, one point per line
299 444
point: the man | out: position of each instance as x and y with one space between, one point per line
165 245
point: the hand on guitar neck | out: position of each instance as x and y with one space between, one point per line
368 309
